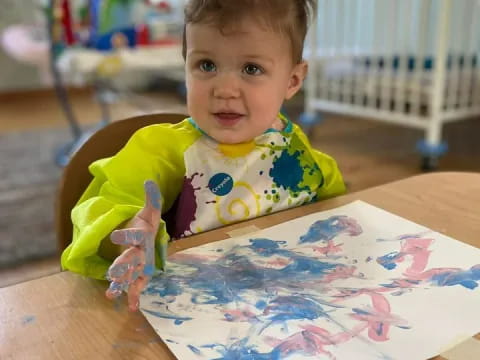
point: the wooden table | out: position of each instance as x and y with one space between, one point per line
65 316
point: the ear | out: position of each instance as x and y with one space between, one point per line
297 76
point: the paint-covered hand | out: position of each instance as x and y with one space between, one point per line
132 270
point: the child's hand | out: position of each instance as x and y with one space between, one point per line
134 267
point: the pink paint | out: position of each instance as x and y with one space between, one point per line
340 272
239 315
305 342
351 225
312 341
330 248
427 275
378 319
336 339
418 250
378 322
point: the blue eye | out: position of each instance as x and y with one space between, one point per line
252 69
207 66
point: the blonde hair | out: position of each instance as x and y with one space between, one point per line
289 17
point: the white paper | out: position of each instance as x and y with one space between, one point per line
355 282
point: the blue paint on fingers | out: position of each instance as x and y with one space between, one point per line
149 270
152 193
117 271
128 237
116 288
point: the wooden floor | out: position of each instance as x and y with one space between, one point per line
369 153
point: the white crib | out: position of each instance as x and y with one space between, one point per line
410 62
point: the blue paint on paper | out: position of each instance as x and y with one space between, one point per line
388 260
261 305
285 308
360 311
379 329
208 283
467 278
178 319
194 350
241 351
325 230
28 319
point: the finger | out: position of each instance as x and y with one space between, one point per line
151 212
129 237
120 275
149 268
122 271
117 271
134 257
136 270
129 259
115 289
134 292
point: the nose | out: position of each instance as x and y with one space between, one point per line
226 86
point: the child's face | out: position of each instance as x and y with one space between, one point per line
237 81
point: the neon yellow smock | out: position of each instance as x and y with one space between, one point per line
204 185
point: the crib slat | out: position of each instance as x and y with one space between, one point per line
347 78
455 52
476 51
359 13
342 49
330 32
319 28
390 45
375 55
313 79
467 73
401 74
439 72
335 83
418 71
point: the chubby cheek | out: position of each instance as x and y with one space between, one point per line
265 104
197 98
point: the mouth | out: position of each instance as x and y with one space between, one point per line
228 118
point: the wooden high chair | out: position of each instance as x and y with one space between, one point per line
76 177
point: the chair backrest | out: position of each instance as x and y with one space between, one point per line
104 143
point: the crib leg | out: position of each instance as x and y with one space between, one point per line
308 120
429 163
182 90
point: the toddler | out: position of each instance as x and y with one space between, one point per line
235 158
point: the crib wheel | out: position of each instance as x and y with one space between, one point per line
431 154
429 163
308 121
